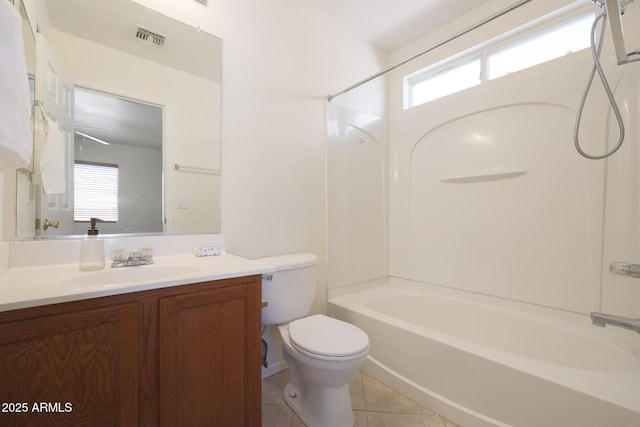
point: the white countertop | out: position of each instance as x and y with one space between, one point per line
34 286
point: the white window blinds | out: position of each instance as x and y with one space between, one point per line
95 192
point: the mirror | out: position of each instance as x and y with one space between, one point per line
149 86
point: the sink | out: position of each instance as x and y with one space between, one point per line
113 277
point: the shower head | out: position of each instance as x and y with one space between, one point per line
603 3
615 9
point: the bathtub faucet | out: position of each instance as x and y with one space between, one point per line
602 320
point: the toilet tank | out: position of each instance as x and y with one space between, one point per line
290 290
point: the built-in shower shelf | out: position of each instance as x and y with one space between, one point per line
483 177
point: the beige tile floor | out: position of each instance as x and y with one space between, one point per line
374 405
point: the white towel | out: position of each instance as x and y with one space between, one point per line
40 132
52 162
48 155
15 106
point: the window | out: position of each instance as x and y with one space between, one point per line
95 191
542 47
492 63
446 82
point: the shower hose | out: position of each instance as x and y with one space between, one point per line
596 49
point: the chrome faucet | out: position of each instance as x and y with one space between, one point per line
142 257
602 320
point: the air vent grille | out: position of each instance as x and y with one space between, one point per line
150 38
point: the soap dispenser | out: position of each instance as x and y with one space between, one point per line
92 249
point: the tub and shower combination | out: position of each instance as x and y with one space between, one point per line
501 265
470 241
483 361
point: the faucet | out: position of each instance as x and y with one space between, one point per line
602 319
142 257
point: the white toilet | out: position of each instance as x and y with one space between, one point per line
322 353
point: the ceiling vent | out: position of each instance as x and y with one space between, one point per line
150 38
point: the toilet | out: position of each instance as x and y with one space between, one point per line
322 353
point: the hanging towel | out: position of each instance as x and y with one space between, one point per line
15 106
48 155
52 161
40 132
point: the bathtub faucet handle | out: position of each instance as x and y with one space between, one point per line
625 269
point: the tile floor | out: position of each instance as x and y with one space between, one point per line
374 405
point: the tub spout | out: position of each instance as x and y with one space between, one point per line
602 320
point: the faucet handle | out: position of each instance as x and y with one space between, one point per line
625 269
146 255
118 255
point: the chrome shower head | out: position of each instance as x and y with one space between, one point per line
614 9
605 3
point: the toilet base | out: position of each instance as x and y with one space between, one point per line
321 406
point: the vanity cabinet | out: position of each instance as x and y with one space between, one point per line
186 355
210 358
69 369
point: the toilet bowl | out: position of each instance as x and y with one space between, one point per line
322 353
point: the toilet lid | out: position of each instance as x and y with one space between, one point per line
326 336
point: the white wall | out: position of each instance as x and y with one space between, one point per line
280 60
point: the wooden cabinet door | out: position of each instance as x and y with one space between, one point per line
210 358
72 369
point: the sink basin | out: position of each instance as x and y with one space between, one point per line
112 277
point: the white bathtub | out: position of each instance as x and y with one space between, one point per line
483 361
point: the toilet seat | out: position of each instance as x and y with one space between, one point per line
327 338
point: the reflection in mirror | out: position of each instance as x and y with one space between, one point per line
113 66
126 136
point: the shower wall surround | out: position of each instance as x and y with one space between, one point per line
487 194
357 143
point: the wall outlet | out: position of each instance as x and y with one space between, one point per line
182 203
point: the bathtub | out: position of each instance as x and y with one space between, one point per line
483 361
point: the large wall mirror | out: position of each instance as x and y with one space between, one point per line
130 93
